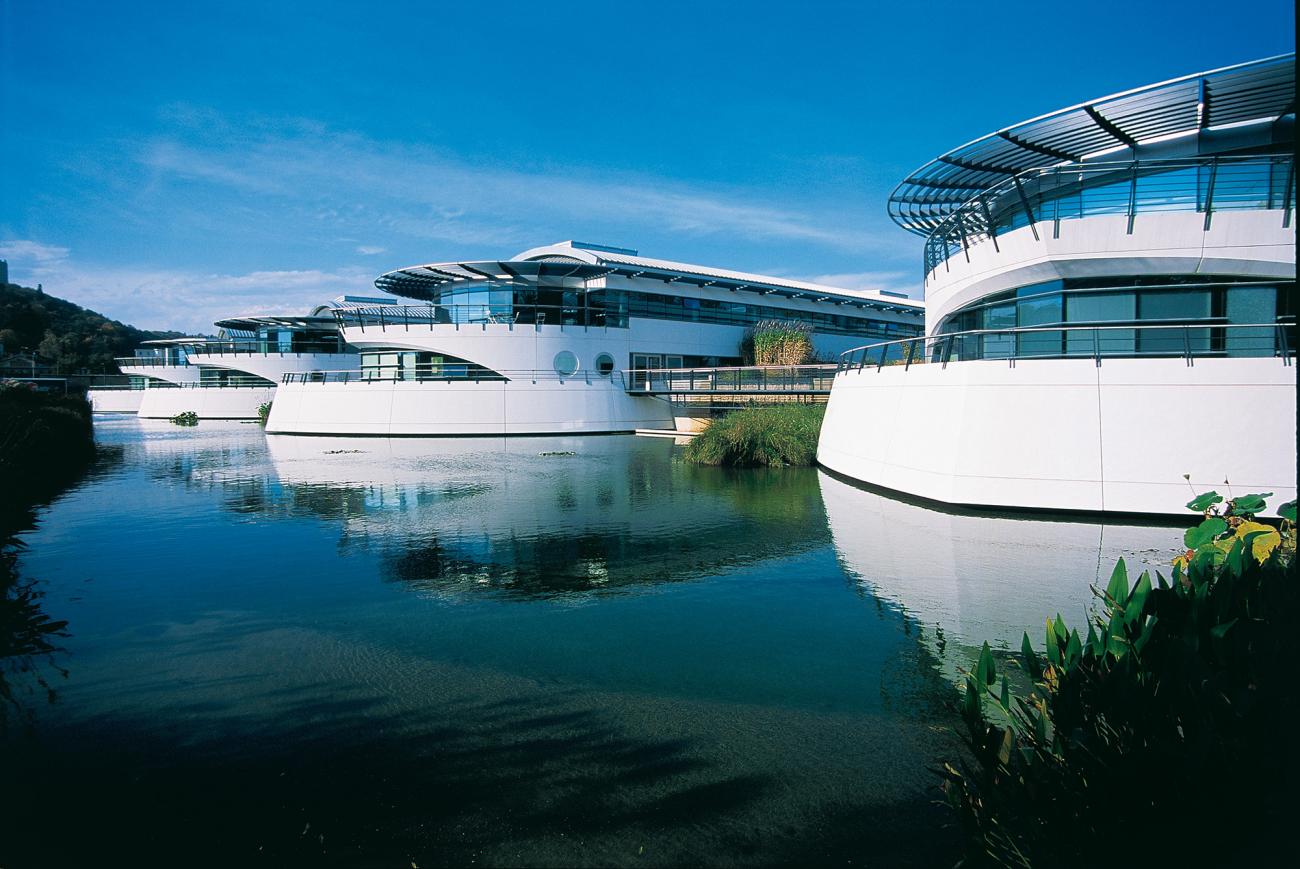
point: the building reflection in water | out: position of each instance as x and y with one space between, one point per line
969 577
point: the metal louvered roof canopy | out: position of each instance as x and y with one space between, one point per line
1259 91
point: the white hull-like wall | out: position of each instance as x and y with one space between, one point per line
273 366
115 400
1068 434
209 402
580 404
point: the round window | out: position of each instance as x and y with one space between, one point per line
604 364
565 363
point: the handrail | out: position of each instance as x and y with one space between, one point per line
1188 341
434 374
749 379
263 348
509 314
1128 188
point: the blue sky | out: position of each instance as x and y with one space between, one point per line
169 163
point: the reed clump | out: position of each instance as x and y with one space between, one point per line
778 342
773 435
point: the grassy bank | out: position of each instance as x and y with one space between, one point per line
46 442
771 435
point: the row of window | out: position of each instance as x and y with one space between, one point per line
1211 303
497 301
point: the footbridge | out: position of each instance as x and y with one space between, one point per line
752 380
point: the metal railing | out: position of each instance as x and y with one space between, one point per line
746 380
441 374
1188 341
262 348
147 362
233 383
1053 194
509 314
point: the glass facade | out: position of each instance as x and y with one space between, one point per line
523 302
419 365
1209 303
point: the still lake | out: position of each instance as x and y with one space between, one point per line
565 650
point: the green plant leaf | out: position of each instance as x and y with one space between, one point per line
1249 503
1211 528
985 670
1117 590
1201 503
1287 511
1138 599
1031 659
1220 631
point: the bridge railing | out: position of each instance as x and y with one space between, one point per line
1206 339
754 379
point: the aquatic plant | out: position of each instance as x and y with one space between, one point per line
773 435
46 441
778 342
264 412
1165 732
187 417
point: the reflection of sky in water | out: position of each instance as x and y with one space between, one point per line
227 590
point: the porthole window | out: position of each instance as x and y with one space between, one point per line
565 363
604 364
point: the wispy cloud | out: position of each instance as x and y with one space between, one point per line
180 300
359 185
371 250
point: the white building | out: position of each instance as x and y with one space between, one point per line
231 376
1110 321
548 342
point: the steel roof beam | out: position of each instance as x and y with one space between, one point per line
1040 149
1106 124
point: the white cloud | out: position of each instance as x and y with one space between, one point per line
371 250
173 299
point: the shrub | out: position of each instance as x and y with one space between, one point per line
778 342
772 435
264 412
1165 732
187 417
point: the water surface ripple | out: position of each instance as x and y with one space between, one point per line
537 651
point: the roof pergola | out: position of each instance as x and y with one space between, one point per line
1257 92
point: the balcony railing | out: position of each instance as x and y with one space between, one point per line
435 373
404 317
263 348
1051 195
148 362
747 380
1189 341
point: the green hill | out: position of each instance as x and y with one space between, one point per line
76 339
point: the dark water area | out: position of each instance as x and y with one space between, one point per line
525 651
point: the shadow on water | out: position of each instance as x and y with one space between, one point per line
30 638
531 778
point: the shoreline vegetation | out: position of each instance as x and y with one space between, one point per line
1178 702
46 444
769 435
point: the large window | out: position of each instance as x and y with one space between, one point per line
1168 315
418 365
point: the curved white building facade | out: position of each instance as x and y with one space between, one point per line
548 342
1110 299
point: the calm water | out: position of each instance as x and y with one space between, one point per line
506 651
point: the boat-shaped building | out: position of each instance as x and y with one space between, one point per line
550 342
1110 309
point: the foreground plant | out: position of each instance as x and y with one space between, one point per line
772 435
1166 732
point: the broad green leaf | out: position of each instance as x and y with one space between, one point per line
1117 590
1211 528
1031 659
1201 503
1137 600
1053 645
1287 511
985 670
1249 503
1262 539
1062 633
1074 648
1220 631
971 706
